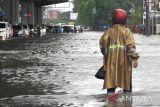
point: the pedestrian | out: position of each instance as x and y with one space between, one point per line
75 29
39 30
117 45
141 28
81 29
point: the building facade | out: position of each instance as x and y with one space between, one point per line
24 11
151 16
9 11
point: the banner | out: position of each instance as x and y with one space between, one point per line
53 14
73 16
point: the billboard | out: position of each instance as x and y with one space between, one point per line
73 16
52 14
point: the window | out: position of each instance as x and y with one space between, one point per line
2 25
158 20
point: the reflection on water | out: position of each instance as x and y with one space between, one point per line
57 70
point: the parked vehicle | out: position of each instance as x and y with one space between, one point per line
68 28
31 29
10 30
36 29
79 28
50 29
18 30
26 30
58 29
5 30
42 30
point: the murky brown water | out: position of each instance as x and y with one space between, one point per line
58 70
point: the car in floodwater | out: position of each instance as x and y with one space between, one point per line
10 30
58 29
39 30
26 30
36 29
50 29
6 30
68 28
31 29
18 30
42 30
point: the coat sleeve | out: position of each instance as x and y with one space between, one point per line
130 43
104 43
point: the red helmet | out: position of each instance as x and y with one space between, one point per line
119 16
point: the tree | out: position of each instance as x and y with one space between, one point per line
85 11
98 12
62 18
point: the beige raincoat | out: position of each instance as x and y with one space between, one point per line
119 51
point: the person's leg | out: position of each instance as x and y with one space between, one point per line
111 90
126 90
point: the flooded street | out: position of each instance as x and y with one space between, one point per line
57 70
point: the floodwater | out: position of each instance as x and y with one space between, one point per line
57 70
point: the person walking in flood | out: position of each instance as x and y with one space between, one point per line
117 45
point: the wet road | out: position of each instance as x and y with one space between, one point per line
57 70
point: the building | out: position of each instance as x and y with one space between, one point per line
24 11
151 16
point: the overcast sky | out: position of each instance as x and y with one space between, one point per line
61 6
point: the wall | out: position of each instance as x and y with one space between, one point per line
27 12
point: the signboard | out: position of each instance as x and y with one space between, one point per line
45 15
73 16
53 14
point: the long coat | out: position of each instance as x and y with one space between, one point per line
119 49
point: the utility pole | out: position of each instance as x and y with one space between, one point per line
154 20
147 24
132 11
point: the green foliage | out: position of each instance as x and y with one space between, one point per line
98 12
85 11
62 18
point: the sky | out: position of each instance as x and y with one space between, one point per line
67 6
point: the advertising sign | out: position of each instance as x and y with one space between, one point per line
73 16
